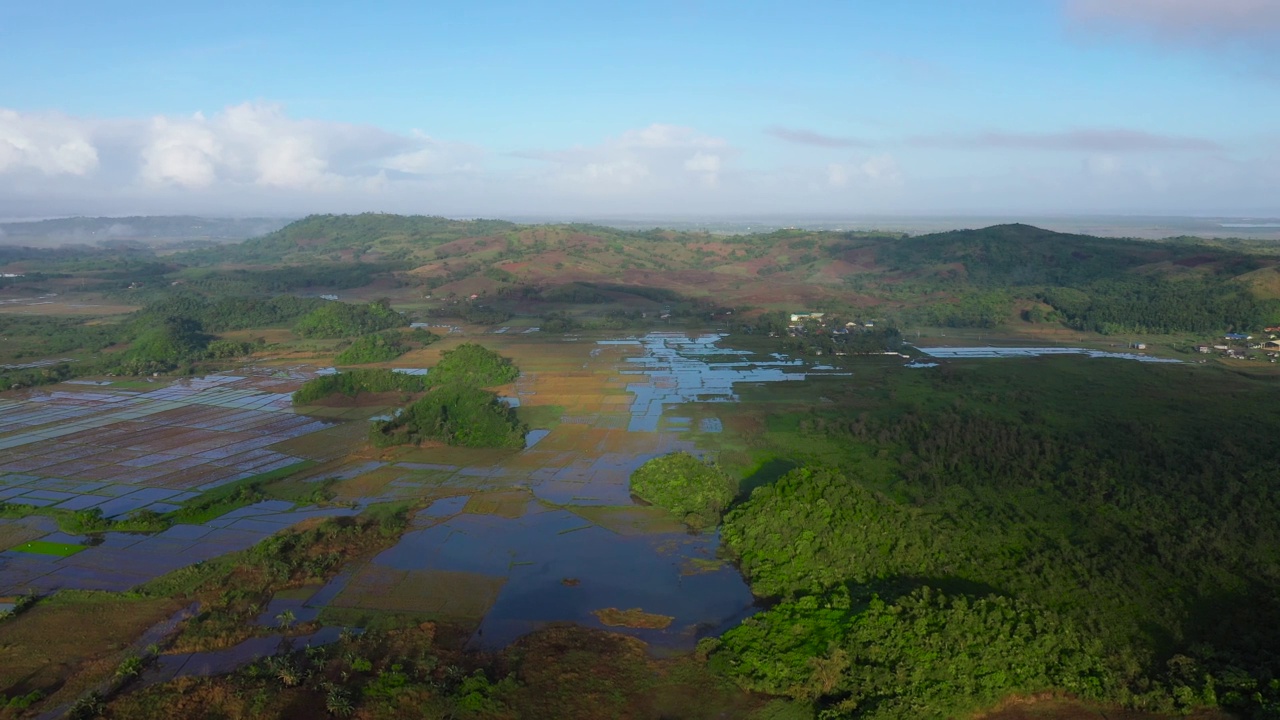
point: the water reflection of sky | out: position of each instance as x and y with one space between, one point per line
554 564
120 450
675 369
1023 352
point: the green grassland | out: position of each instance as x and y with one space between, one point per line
43 547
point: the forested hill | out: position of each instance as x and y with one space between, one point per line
1004 255
351 237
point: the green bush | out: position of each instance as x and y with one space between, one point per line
343 320
354 382
457 415
473 365
695 491
377 347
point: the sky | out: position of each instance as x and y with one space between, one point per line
669 108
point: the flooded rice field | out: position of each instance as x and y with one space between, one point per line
123 451
1024 352
509 540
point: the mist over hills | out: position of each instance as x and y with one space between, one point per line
146 228
171 228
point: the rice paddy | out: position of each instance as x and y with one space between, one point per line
507 541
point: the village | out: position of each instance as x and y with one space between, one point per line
815 325
1242 346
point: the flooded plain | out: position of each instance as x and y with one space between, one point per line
551 534
508 542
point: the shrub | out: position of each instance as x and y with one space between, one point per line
695 491
473 365
454 414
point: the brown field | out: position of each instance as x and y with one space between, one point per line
370 484
633 618
438 594
18 531
630 519
66 644
510 504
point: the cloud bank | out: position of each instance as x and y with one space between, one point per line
657 159
257 159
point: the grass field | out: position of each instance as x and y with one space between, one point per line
41 547
68 643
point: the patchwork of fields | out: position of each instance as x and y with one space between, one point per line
509 540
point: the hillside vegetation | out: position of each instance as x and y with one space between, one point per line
960 278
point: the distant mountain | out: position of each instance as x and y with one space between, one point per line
148 229
799 267
1018 254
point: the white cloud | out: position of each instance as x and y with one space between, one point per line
255 158
184 153
50 143
432 156
875 171
258 143
654 160
252 155
705 164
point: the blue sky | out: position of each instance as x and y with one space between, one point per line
839 107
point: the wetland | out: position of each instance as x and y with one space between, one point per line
577 498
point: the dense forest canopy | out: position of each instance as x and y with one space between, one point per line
1099 499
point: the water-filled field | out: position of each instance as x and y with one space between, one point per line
509 540
1024 352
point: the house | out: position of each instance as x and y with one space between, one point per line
1139 346
806 315
1223 348
1237 336
1203 349
1274 329
1271 345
